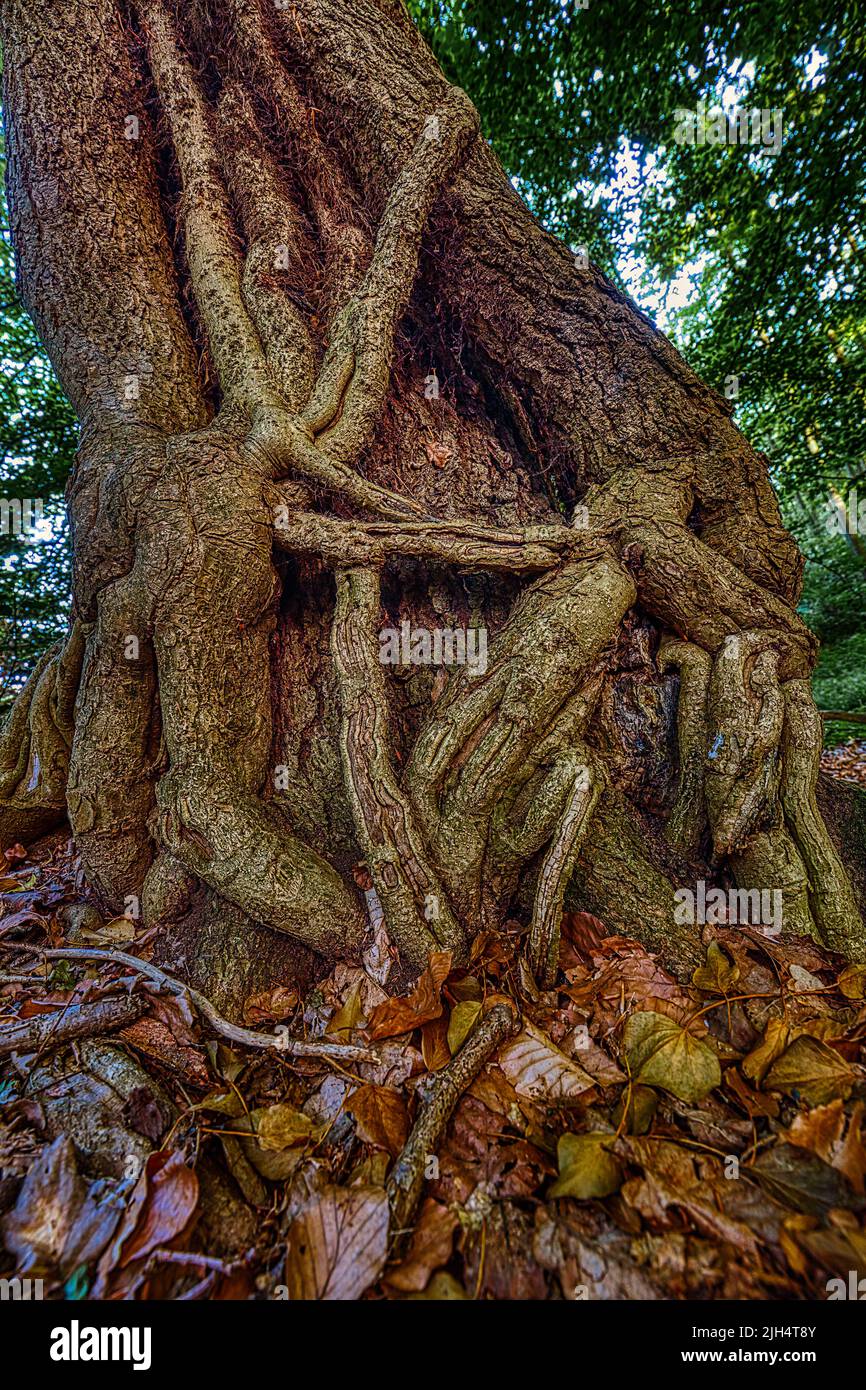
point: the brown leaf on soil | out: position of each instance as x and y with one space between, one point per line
395 1016
583 931
381 1117
753 1102
271 1005
536 1067
776 1037
37 1228
59 1220
820 1130
671 1181
151 1037
170 1198
430 1248
434 1044
812 1071
338 1245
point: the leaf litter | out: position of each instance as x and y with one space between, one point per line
635 1137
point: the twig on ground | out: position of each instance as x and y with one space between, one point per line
406 1183
292 1047
77 1021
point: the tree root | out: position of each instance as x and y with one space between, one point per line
417 913
556 870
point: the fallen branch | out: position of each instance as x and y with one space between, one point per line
76 1021
843 716
406 1183
293 1047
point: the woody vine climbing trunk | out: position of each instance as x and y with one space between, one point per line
334 380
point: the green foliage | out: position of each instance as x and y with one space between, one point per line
751 260
37 444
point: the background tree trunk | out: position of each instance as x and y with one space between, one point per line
332 377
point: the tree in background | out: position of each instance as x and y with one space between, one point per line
338 390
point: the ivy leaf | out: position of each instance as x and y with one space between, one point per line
587 1167
811 1070
661 1053
463 1017
718 974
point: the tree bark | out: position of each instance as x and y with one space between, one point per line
332 379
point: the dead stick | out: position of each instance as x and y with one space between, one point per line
293 1047
406 1183
77 1021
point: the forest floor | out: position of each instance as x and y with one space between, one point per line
638 1138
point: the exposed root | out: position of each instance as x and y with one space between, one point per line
745 711
556 870
35 745
830 895
417 912
457 543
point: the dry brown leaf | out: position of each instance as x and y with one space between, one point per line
271 1005
338 1245
381 1116
395 1016
812 1071
536 1067
430 1248
434 1044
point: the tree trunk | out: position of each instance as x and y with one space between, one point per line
336 388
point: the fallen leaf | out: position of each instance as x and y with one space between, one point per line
718 974
587 1167
802 1180
271 1005
279 1127
660 1053
112 933
536 1067
430 1248
434 1044
819 1129
338 1245
463 1017
395 1016
642 1105
381 1116
811 1070
170 1200
852 982
37 1228
776 1037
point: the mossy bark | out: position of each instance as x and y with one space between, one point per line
332 377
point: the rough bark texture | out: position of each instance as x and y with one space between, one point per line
332 377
